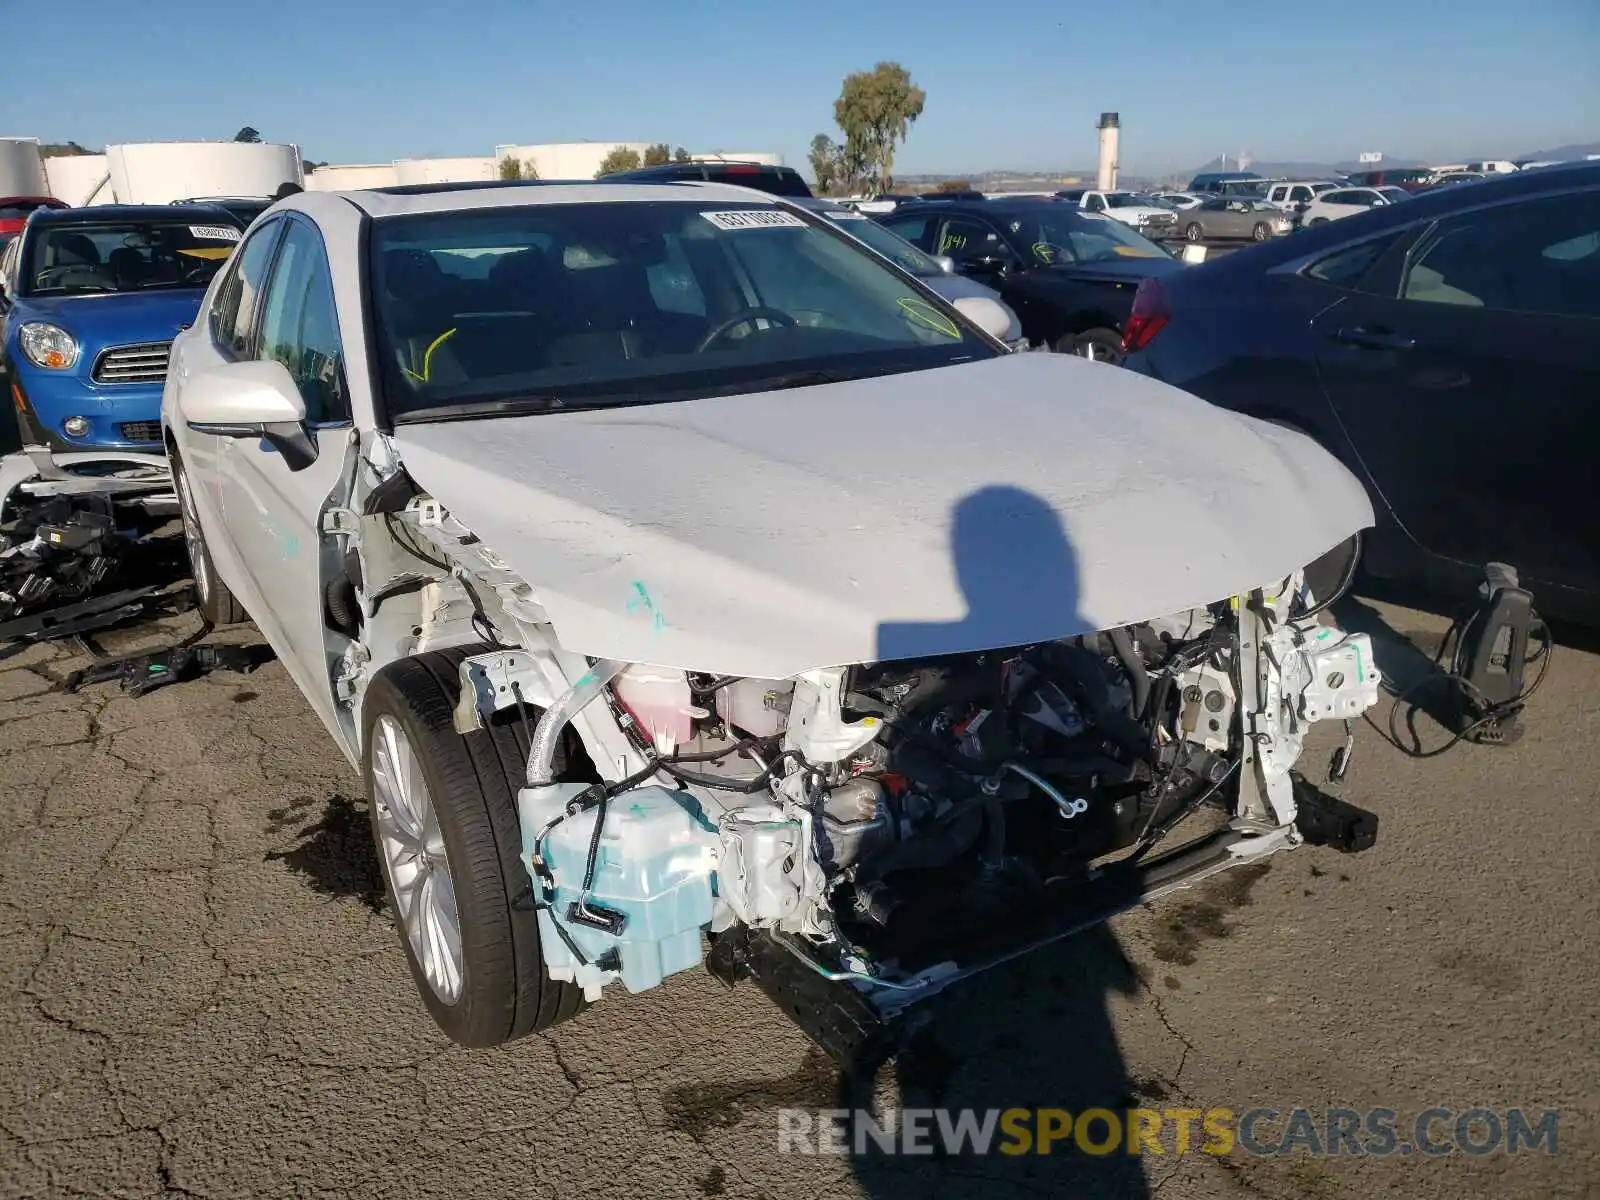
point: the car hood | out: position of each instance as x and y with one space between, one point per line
1019 499
116 318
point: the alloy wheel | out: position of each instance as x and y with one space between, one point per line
415 860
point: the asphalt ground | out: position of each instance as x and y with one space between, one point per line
201 993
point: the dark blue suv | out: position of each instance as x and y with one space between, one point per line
92 300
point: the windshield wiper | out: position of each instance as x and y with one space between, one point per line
85 288
510 406
802 379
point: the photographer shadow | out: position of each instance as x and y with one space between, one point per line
1036 1032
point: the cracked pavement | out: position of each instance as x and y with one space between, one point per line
203 994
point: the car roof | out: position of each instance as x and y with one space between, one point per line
441 198
101 213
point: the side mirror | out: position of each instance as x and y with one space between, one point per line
946 263
251 400
989 315
984 264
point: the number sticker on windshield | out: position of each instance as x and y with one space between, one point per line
845 214
754 218
217 233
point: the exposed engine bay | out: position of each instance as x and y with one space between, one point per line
889 822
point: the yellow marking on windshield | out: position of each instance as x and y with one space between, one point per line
427 355
1132 252
1044 252
208 252
922 313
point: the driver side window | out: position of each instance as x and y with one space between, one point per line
966 238
234 313
299 325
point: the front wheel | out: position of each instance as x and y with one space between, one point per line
211 596
1261 232
444 818
1194 233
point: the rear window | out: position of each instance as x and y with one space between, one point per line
775 181
778 181
16 210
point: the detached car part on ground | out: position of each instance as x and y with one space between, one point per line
878 678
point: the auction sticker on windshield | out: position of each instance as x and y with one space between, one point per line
217 233
753 218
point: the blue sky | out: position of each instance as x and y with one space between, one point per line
1016 85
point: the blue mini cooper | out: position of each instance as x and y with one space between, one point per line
92 300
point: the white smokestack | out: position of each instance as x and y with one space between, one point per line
1109 146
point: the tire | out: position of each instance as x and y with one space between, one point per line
1194 233
501 991
211 596
1100 344
1260 233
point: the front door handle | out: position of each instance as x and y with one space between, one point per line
1374 338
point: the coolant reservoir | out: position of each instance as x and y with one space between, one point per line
660 700
651 892
758 707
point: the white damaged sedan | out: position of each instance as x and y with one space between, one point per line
691 586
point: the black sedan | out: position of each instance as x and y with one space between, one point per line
1070 276
1447 349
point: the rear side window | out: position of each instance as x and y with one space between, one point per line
1351 267
1534 257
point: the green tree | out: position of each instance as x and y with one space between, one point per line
63 150
680 155
658 154
623 158
247 134
510 168
825 163
876 110
954 185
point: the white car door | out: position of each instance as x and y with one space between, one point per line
273 506
225 334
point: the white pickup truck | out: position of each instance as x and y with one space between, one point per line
1142 212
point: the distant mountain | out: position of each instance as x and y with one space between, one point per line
1311 170
1302 170
1562 153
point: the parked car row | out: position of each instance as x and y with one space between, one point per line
1445 345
